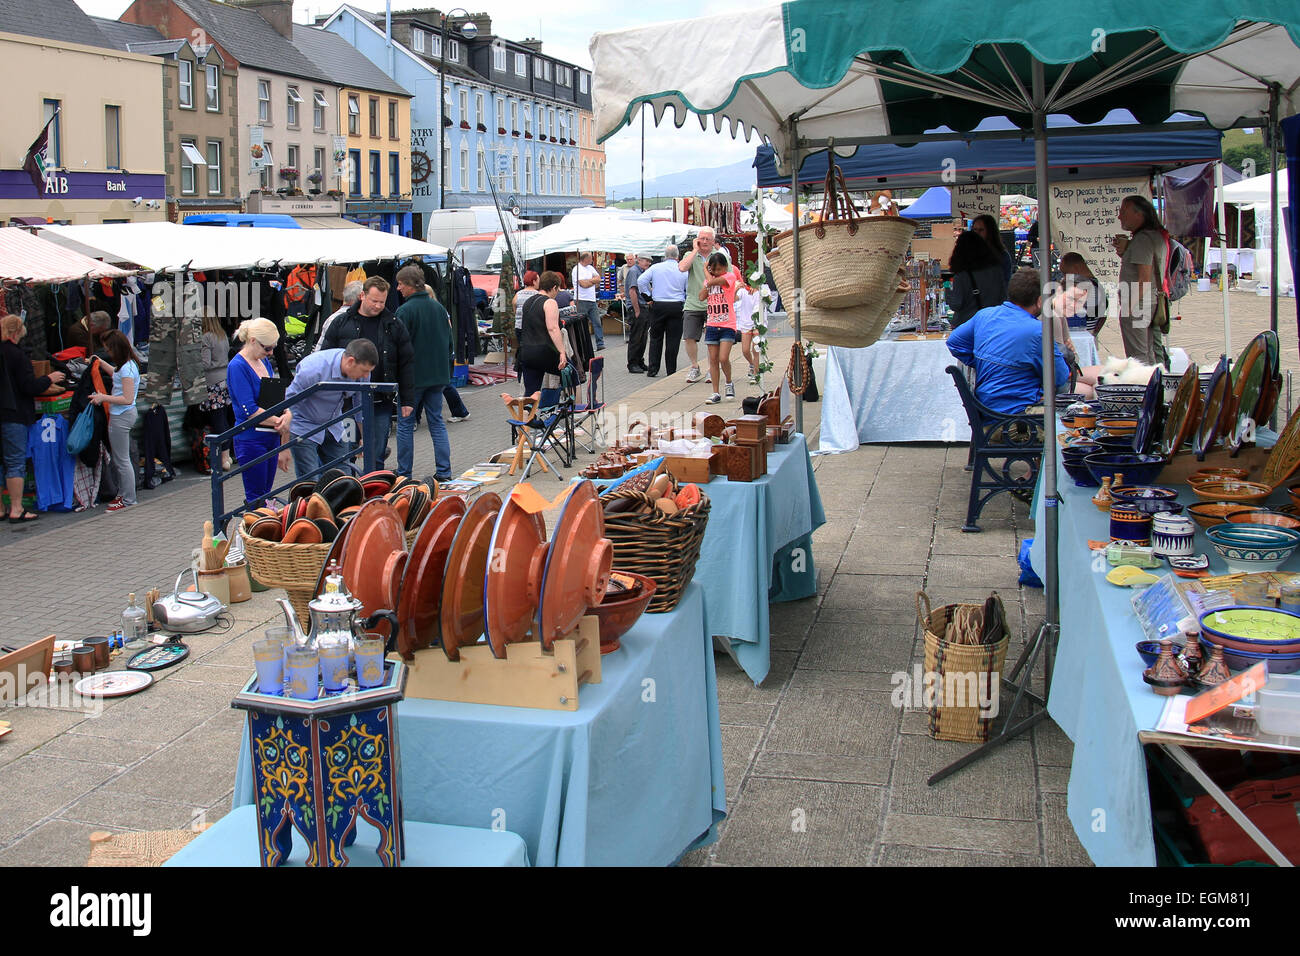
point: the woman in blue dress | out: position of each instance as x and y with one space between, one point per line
244 376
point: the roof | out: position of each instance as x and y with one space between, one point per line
158 47
25 256
250 39
344 63
59 20
120 34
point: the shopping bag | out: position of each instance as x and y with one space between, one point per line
82 431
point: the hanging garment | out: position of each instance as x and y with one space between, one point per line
52 466
85 484
108 479
466 339
356 275
156 446
299 290
175 344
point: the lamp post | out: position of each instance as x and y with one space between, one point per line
469 30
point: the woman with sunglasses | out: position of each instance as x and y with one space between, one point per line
244 375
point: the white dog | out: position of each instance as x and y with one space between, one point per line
1124 371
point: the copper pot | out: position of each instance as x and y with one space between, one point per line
100 645
83 660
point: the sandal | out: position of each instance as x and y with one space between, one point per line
23 518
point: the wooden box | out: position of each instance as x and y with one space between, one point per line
786 433
689 468
742 462
760 450
770 408
710 426
718 460
750 427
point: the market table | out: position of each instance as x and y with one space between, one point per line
1097 696
232 841
899 391
632 778
758 548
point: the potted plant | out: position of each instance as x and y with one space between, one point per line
316 178
515 132
446 121
464 124
526 135
334 193
289 173
501 131
482 128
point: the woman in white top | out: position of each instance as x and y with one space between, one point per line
121 414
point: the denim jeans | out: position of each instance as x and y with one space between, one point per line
310 455
429 402
13 463
455 404
383 417
591 311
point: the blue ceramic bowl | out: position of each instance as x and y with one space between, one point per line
1264 630
1077 470
1239 660
1247 548
1149 498
1136 469
1148 651
1114 444
1121 400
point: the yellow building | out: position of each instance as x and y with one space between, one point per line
375 132
105 111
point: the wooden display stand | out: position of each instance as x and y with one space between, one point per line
527 677
25 669
1184 463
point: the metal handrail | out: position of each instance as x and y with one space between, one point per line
363 407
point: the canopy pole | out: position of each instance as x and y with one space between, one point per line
794 247
1223 257
1274 133
1051 515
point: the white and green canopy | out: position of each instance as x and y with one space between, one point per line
849 69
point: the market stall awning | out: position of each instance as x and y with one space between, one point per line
1109 153
935 203
168 247
852 69
33 259
592 233
1256 189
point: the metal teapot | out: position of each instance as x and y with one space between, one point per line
334 615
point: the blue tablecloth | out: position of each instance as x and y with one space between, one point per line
1098 697
758 548
632 778
232 841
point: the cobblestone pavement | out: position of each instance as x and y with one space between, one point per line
820 735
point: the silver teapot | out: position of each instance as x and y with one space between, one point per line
334 616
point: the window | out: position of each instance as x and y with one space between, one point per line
501 112
354 180
464 106
453 50
186 87
446 166
550 123
479 118
417 40
537 68
268 171
291 107
291 158
582 81
354 115
499 58
543 128
318 164
375 184
546 65
482 162
514 171
264 101
392 119
435 45
554 177
528 176
563 133
212 85
54 151
514 116
464 167
521 64
394 181
374 117
528 118
112 137
562 75
541 174
318 109
214 167
190 157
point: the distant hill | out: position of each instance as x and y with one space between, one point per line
737 176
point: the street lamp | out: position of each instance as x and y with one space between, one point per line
469 30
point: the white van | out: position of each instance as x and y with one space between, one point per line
448 225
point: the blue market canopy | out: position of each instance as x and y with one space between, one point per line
1109 153
934 203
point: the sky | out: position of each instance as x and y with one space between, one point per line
566 35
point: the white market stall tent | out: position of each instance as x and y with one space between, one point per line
592 233
170 247
28 258
1253 194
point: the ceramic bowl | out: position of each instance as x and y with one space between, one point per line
1262 516
1260 630
1217 474
620 610
1129 524
1080 421
1148 498
1251 548
1081 474
1121 400
1115 444
1118 426
1139 469
1148 651
1209 513
1294 492
1242 492
1240 660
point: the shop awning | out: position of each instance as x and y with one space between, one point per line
326 222
33 259
168 247
590 233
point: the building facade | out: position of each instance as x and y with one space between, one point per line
105 137
591 161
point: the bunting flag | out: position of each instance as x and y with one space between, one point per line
36 162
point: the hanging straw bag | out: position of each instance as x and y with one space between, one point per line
962 672
845 260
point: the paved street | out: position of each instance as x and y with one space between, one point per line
820 735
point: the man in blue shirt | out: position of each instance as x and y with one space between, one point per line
665 283
1004 343
354 363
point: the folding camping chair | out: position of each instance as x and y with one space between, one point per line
534 425
587 415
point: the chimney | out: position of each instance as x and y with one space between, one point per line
532 44
278 13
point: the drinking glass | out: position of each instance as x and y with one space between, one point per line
268 656
303 665
284 635
333 663
370 661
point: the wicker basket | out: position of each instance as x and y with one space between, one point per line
845 260
294 567
661 546
975 663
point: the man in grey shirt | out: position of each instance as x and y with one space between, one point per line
638 315
1141 274
665 283
693 315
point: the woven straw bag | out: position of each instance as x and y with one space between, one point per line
964 668
845 260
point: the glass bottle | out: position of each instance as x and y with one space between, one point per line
135 628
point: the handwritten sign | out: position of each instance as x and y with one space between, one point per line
976 199
1084 220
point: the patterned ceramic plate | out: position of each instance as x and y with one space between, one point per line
1253 624
113 684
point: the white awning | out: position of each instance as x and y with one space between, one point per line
33 259
591 233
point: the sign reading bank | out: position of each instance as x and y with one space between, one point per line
16 184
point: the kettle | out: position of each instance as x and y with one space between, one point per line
334 615
187 611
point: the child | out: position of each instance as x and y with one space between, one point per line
747 302
719 291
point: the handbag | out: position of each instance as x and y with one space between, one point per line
82 431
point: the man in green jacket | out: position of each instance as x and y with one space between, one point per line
429 327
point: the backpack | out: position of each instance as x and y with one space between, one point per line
1178 268
298 286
